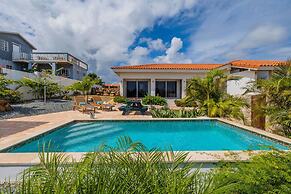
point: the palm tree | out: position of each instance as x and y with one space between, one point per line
209 95
86 84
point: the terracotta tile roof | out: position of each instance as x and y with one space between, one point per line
255 63
172 66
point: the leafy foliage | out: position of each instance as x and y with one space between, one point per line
227 107
264 173
184 102
169 113
127 168
132 168
86 84
37 86
7 93
277 91
154 100
208 94
120 99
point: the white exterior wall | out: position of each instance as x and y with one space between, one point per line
237 87
26 95
152 77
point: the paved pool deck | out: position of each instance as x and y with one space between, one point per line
17 130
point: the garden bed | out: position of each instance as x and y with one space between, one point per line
37 107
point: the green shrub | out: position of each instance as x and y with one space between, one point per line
264 173
10 95
154 100
168 113
5 92
120 99
184 102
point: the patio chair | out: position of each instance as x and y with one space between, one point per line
109 105
133 106
97 102
81 105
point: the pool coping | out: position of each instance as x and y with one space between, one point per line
14 159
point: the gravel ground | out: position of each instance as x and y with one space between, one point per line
37 107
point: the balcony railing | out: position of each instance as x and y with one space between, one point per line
19 56
49 57
59 57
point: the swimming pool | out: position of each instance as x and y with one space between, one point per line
182 135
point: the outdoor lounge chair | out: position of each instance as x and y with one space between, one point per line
133 106
81 105
97 102
102 104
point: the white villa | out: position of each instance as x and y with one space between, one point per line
170 80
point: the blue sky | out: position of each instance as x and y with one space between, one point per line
107 33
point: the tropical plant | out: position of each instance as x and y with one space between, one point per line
209 95
265 173
7 93
120 99
227 107
154 100
184 102
94 76
277 91
41 84
127 168
86 84
165 112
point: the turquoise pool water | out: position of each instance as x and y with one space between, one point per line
195 135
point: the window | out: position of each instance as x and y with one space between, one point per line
64 72
131 89
136 89
172 89
4 46
8 66
161 88
142 89
166 89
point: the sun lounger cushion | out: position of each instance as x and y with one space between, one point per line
99 102
82 103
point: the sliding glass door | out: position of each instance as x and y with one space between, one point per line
161 88
136 89
131 89
171 89
142 88
166 89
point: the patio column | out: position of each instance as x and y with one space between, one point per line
121 88
183 85
53 68
153 87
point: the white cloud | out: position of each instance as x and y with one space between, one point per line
241 29
156 44
263 35
95 30
139 55
172 53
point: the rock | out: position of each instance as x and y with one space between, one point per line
5 106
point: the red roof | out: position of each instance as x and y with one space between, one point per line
255 63
171 66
